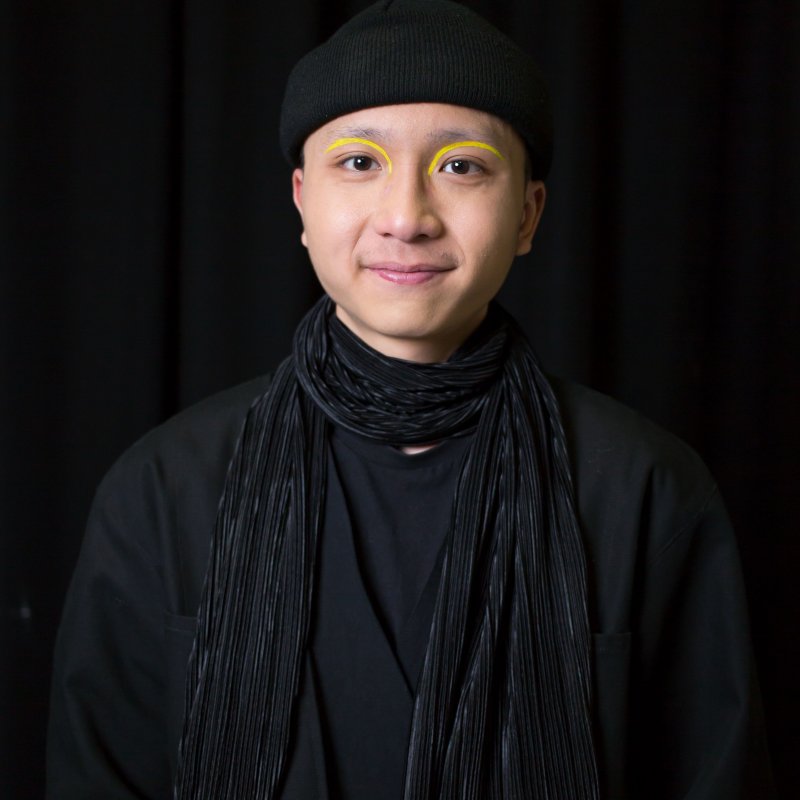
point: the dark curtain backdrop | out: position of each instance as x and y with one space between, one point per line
150 255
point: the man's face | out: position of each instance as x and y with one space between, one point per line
412 215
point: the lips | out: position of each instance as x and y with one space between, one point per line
407 274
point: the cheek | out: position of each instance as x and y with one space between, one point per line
332 238
490 233
330 224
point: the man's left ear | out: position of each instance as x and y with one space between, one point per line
297 196
535 194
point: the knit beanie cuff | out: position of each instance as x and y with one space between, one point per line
418 51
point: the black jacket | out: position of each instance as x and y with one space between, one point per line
675 699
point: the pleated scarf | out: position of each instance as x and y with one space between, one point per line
503 703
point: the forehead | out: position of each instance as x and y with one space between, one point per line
419 124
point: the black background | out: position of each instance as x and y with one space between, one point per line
150 255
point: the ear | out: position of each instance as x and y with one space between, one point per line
535 194
297 197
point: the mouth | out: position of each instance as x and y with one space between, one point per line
407 274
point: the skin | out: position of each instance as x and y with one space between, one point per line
410 236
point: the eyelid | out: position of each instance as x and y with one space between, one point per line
448 147
367 142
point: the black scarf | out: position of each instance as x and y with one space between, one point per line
503 702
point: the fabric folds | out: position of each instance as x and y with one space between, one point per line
503 706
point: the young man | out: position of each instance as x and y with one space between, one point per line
432 571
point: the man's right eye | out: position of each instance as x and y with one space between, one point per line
360 163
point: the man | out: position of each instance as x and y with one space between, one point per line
432 572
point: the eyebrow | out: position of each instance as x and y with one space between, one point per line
360 140
359 133
439 137
461 135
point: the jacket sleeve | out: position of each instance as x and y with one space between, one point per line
119 654
676 698
128 624
696 728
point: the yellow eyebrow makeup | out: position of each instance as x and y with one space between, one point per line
367 142
448 147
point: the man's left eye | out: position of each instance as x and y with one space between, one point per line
460 166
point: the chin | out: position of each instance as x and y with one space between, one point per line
397 322
397 333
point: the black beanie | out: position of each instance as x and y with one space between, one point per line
418 51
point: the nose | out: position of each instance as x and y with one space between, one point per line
406 209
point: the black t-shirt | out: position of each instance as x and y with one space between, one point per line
387 518
400 507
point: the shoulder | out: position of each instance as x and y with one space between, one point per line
606 436
632 477
158 502
197 436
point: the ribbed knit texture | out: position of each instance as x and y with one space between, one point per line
503 706
417 51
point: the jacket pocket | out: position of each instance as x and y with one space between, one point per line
611 672
174 623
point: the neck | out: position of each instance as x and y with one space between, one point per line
413 449
425 349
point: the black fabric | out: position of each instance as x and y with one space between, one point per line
387 515
503 704
400 507
365 701
417 51
251 639
677 707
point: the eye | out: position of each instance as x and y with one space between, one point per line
461 166
360 163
